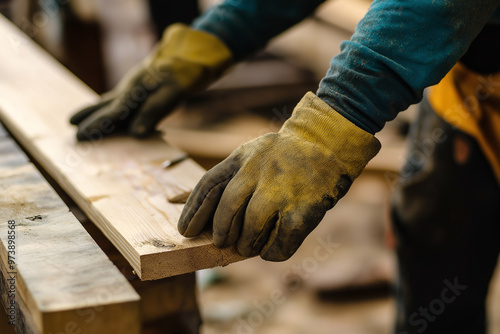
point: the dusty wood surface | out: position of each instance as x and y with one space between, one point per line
54 276
167 305
118 182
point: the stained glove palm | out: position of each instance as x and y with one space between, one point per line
184 62
270 193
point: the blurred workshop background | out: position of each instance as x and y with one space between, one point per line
341 279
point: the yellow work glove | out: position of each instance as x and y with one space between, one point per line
184 62
271 192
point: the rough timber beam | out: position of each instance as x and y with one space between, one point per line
54 277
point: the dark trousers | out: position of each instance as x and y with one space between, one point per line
446 219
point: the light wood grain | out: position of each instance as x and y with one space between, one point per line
166 304
59 278
117 182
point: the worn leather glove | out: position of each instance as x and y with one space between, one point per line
184 62
271 192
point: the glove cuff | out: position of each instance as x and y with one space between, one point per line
315 121
183 43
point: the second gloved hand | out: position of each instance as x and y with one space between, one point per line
270 193
184 62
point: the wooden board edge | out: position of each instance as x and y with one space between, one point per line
95 320
206 256
18 294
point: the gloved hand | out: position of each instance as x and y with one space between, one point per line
271 192
184 62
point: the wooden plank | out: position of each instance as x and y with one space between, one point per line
54 277
118 182
167 305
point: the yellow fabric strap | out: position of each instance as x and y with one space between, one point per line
471 102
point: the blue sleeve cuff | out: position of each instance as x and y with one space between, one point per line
399 48
246 26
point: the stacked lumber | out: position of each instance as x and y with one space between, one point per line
119 183
54 277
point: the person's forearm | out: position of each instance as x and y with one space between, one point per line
245 26
399 48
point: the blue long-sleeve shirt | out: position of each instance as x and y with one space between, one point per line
399 48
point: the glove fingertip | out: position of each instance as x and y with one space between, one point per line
74 120
220 243
79 116
183 232
141 131
183 224
81 137
191 231
275 252
244 251
190 225
181 227
201 205
185 228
